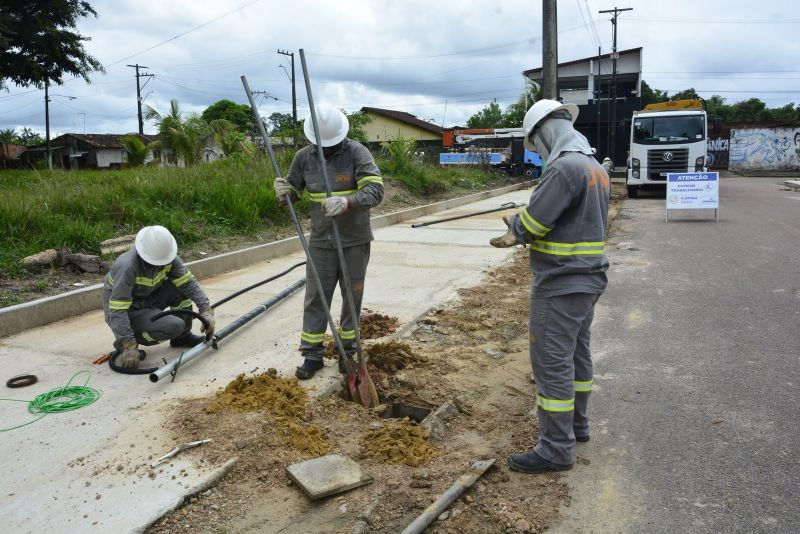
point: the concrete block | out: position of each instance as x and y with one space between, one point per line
327 475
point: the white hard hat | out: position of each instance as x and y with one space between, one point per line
155 245
333 126
538 112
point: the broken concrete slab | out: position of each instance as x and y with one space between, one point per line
327 475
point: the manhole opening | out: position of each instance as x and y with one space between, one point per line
399 411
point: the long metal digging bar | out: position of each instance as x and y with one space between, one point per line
367 391
503 207
351 369
185 357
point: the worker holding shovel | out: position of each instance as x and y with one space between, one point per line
357 186
564 225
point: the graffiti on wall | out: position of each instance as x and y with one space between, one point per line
717 153
765 149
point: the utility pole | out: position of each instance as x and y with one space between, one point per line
139 93
294 93
614 56
47 123
549 50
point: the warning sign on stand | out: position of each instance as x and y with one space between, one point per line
692 191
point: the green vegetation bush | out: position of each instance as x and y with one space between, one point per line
41 209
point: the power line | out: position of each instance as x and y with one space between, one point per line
717 21
215 19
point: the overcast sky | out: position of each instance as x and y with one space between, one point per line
441 61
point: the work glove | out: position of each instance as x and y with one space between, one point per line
208 314
506 240
129 359
334 206
282 187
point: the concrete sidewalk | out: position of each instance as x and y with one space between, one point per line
87 470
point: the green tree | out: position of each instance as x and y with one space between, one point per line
751 110
515 113
29 138
239 114
357 122
489 117
652 96
8 136
186 138
136 149
38 42
686 94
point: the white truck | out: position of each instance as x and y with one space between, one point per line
666 137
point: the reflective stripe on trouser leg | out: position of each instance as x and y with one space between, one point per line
314 321
583 375
553 331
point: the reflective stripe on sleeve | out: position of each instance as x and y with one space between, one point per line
531 224
583 385
110 280
555 405
569 249
312 338
119 304
178 282
366 180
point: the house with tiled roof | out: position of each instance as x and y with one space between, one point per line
82 151
387 124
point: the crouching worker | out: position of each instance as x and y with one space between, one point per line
357 186
141 283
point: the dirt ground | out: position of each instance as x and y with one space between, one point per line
59 280
472 352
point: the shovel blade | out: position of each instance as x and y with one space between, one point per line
366 389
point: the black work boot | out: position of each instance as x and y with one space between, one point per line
583 439
307 370
186 340
530 462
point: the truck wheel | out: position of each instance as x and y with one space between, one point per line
633 191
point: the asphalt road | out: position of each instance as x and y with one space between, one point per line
696 408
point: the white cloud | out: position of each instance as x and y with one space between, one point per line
410 55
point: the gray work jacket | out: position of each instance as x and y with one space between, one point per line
565 225
353 174
130 282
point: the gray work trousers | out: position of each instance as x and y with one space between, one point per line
315 323
559 334
149 332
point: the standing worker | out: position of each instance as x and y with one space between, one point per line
141 283
564 225
357 186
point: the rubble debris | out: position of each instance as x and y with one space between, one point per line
375 325
328 475
392 356
41 260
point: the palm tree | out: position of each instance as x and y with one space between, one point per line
137 150
186 138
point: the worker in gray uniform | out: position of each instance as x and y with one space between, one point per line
564 226
140 284
357 187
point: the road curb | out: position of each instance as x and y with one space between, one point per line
47 310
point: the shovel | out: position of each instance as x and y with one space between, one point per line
366 389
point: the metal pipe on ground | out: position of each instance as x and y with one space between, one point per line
503 207
194 352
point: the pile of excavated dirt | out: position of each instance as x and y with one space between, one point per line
375 325
392 356
399 443
281 397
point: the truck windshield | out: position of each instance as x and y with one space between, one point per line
666 130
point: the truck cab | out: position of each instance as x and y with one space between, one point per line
666 137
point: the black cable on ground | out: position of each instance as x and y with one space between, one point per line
248 288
